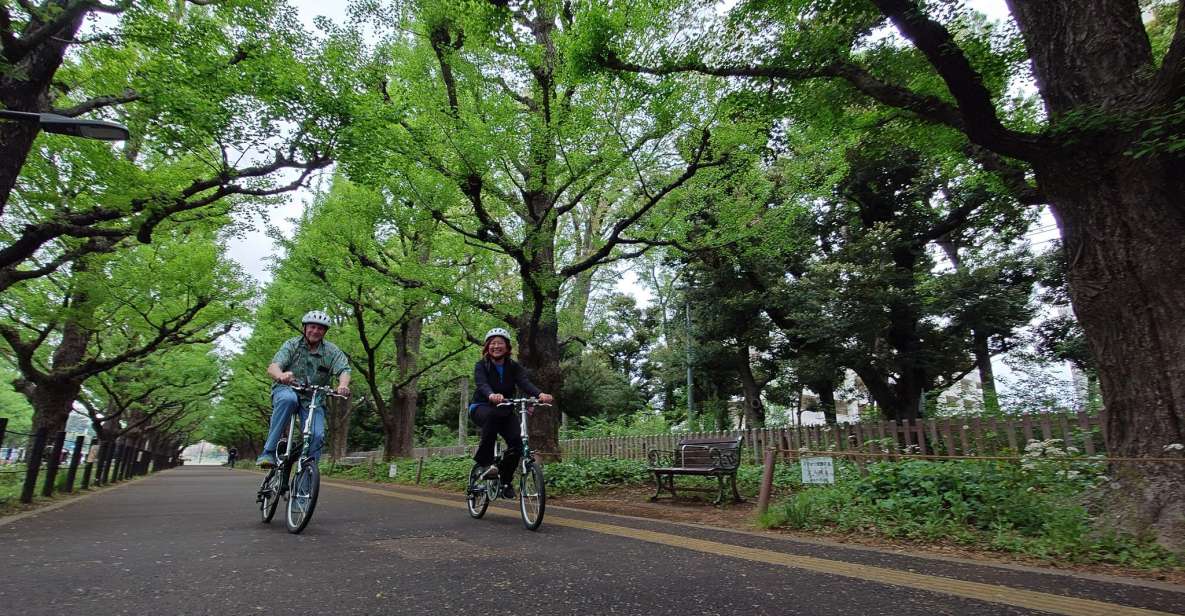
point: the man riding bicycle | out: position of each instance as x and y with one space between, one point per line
497 377
307 359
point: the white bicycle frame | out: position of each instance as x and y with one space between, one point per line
306 433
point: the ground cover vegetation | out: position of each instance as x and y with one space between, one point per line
821 201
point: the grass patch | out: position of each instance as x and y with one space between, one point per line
452 473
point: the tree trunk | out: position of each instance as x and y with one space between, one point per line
754 408
52 404
897 401
987 377
338 419
399 421
539 351
25 87
1122 223
52 395
826 390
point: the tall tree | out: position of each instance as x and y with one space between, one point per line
502 141
362 255
112 310
1104 151
218 100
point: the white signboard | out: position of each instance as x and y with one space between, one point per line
391 470
818 470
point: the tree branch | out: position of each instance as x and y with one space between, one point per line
1170 79
34 37
930 108
978 111
621 225
99 102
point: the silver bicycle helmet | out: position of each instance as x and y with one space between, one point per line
316 316
497 331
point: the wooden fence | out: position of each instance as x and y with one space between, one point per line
962 436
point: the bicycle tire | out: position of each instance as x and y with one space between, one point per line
269 492
532 495
476 500
302 497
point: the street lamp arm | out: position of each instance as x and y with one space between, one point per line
63 125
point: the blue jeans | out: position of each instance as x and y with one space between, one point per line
284 402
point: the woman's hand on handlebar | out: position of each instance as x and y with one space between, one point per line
343 391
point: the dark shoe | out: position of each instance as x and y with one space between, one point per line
490 473
508 491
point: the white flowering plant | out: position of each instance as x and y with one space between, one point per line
1050 462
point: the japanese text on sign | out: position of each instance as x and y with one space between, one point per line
818 470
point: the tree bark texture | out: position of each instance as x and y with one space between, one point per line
1122 231
539 351
339 413
987 376
1118 205
25 87
753 406
399 421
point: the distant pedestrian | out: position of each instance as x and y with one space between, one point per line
231 455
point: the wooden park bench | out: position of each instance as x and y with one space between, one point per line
705 457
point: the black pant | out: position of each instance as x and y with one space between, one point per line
495 420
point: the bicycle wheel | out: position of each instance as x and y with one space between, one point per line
475 495
269 495
302 498
532 495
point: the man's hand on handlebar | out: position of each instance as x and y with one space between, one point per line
343 391
287 378
546 398
496 399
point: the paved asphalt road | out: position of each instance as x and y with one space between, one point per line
189 541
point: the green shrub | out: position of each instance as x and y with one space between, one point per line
1034 508
581 476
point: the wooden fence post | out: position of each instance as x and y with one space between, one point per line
33 465
55 460
74 459
767 480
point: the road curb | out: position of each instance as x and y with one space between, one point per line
1070 573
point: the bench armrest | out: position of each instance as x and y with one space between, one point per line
726 459
660 458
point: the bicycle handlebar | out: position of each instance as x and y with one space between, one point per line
329 391
531 401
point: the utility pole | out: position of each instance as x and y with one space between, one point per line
463 416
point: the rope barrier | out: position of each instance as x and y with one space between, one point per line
899 456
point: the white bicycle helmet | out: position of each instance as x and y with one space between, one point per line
315 316
497 331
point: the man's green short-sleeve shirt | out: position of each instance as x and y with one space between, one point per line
311 367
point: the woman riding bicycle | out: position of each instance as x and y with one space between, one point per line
497 377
